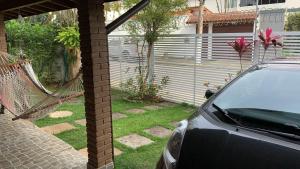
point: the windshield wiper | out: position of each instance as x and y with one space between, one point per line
226 114
282 134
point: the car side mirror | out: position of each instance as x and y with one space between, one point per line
209 93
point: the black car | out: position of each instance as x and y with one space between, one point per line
252 123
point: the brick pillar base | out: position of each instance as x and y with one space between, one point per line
3 45
96 80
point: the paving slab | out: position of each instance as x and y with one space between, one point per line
152 107
60 114
58 128
136 111
84 152
81 122
117 116
23 146
134 141
159 131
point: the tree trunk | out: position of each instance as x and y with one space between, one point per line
150 64
200 17
75 67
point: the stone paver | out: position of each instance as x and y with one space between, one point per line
136 111
84 152
159 131
23 146
81 122
117 152
116 116
134 141
58 128
60 114
152 107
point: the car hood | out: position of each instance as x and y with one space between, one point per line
211 144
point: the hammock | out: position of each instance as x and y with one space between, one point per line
23 95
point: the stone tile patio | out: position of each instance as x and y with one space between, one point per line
60 114
58 128
25 146
159 131
117 116
134 141
136 111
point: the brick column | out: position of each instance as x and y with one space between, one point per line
95 65
3 45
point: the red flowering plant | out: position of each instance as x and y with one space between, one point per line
240 45
267 39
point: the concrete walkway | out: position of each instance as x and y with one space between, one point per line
25 146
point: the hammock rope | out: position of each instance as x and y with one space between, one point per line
23 95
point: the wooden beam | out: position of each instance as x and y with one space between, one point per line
53 7
64 4
43 7
36 9
10 5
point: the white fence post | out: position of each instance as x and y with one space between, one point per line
210 40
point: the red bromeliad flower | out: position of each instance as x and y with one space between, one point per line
240 45
268 39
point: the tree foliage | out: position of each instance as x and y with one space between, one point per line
158 18
69 36
293 22
37 41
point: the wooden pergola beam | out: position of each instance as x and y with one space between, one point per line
17 4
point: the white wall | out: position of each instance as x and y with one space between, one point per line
210 4
287 4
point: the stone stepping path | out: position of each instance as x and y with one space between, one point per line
58 128
152 107
84 152
81 122
134 141
136 111
60 114
159 131
116 116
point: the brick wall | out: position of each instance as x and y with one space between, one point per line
3 46
95 64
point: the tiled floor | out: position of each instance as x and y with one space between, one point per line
25 146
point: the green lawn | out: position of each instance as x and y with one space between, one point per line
142 158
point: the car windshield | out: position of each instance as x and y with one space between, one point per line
268 92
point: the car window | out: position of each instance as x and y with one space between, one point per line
269 89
